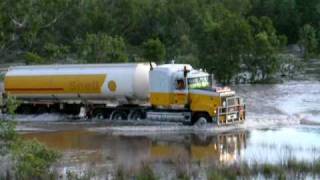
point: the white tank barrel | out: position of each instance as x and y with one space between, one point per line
114 82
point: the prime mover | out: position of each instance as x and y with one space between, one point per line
169 92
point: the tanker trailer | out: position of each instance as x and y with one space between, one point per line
170 92
66 88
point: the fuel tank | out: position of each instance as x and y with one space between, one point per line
98 82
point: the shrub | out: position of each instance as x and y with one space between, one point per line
32 159
7 131
7 128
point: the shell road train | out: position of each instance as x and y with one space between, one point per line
169 92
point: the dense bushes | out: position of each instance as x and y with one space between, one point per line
32 159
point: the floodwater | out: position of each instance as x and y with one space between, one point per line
283 121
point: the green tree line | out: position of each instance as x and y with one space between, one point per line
224 36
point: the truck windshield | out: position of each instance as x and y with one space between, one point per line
199 82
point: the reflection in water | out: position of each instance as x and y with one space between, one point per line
105 152
130 151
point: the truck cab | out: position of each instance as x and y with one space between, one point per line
182 89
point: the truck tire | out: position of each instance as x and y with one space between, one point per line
136 115
99 115
201 120
119 115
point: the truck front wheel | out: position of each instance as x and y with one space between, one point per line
200 119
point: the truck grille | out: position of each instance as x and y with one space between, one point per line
232 112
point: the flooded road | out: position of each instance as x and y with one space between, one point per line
283 121
290 103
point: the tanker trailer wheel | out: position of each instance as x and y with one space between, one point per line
99 114
136 115
119 115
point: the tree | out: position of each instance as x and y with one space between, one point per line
154 50
127 17
2 33
223 46
283 13
308 40
309 11
221 35
33 58
265 55
263 58
238 6
101 48
55 52
29 20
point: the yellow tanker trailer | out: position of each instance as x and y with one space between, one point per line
170 92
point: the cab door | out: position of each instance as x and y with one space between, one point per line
180 93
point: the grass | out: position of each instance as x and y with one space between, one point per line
292 168
83 176
221 174
145 173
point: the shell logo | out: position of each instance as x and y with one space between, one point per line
112 86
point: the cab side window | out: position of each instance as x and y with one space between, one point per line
180 85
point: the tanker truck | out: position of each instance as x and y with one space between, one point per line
169 92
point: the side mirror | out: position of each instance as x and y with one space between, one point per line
185 71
